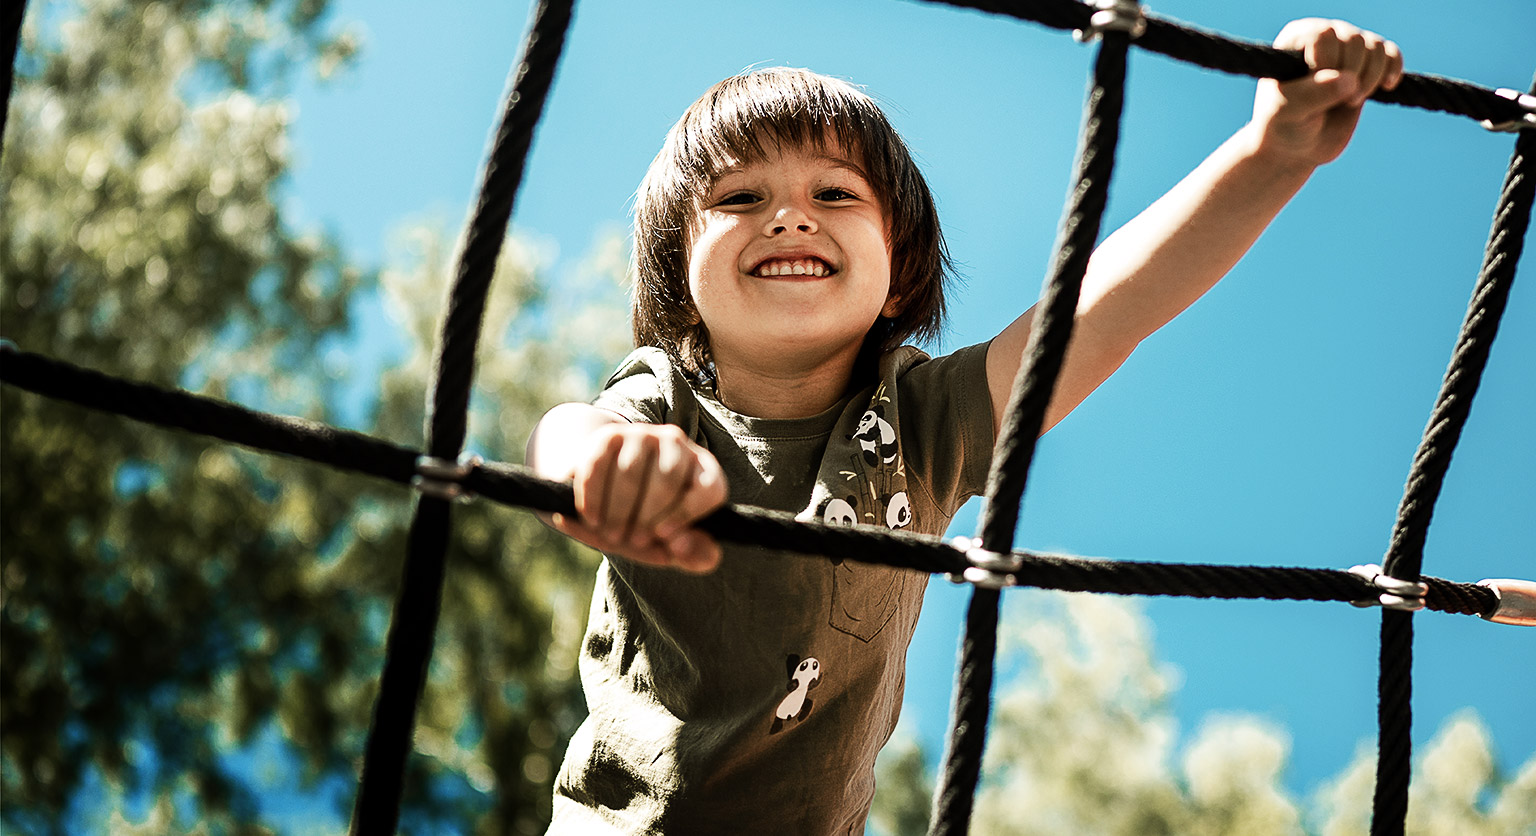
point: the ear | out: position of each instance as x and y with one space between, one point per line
894 305
790 665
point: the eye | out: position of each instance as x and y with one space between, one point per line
738 199
834 194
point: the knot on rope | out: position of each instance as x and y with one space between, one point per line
987 569
445 479
1520 123
1126 16
1396 594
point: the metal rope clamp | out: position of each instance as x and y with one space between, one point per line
1406 596
1527 120
1517 601
444 479
1126 16
988 569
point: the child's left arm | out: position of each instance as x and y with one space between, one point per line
1160 262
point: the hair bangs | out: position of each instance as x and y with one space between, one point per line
746 117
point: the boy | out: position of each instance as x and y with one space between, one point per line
786 246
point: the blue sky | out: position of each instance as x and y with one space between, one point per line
1273 423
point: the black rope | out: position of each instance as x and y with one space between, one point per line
517 486
1453 404
177 409
1025 415
413 624
1241 57
10 44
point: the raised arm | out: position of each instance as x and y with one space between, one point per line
639 487
1164 259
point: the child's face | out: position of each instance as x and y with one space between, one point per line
788 259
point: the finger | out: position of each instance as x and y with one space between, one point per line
627 490
1353 51
1323 91
574 528
1376 64
591 480
694 551
706 493
1394 65
672 474
1322 52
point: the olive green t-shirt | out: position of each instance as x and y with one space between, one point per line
755 698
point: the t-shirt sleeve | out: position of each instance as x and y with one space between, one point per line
947 428
648 389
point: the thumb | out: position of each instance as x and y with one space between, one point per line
1321 91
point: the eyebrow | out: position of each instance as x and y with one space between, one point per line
837 162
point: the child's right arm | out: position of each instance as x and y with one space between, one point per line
639 487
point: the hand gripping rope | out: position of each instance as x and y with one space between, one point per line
444 475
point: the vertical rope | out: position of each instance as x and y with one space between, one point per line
955 795
10 46
1405 554
414 623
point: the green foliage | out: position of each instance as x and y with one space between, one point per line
167 599
1082 740
903 790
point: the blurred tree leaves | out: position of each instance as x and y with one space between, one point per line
167 599
1083 740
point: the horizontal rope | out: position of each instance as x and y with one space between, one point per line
518 486
1259 60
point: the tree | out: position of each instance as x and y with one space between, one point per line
1083 741
169 600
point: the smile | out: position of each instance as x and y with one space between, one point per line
793 267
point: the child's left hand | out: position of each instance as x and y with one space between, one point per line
1310 120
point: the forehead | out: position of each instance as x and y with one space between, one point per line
820 156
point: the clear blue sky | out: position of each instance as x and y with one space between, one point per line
1273 423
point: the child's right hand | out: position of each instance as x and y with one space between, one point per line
639 489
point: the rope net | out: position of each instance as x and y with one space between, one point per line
413 624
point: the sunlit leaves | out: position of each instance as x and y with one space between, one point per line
169 601
1083 741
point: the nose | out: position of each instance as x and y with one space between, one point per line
790 216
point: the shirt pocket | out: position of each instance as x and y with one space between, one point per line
865 597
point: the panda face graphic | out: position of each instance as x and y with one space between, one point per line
866 423
898 514
840 512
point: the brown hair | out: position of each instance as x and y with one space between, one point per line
727 126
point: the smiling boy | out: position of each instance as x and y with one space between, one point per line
786 246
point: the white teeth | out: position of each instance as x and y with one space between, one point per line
799 267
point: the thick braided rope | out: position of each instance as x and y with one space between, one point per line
1453 404
517 486
1231 55
413 624
177 409
1020 430
10 42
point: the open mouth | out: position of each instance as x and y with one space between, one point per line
774 267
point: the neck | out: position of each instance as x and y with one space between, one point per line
784 390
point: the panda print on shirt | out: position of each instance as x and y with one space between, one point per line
873 489
863 481
803 676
